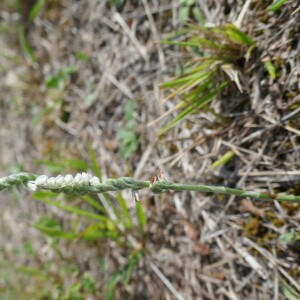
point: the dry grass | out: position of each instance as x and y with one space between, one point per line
198 246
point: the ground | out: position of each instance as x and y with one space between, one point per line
81 86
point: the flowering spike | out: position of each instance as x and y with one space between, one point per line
75 186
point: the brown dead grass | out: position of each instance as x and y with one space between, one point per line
198 246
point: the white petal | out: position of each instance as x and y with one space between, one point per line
59 180
68 179
78 178
95 181
32 185
41 180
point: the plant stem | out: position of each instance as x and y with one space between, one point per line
123 183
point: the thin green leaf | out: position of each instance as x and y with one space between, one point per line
271 69
237 35
43 194
53 167
200 103
141 216
189 77
53 232
95 235
94 203
276 5
74 210
38 6
125 212
76 164
289 292
212 44
25 45
98 231
203 76
179 43
94 162
227 157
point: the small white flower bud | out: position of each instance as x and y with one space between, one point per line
32 185
85 178
59 180
95 181
68 179
51 182
78 178
41 180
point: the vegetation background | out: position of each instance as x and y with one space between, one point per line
207 91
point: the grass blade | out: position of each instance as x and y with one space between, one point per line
141 216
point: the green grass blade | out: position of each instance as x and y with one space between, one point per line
203 76
276 5
237 35
74 210
38 6
289 292
76 164
25 45
200 103
178 43
94 163
94 203
100 231
271 69
141 216
190 76
126 219
53 232
228 156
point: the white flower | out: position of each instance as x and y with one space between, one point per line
78 179
68 179
85 178
41 180
51 182
32 185
95 181
59 180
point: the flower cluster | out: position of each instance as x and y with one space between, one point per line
61 181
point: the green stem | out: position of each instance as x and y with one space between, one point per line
135 185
